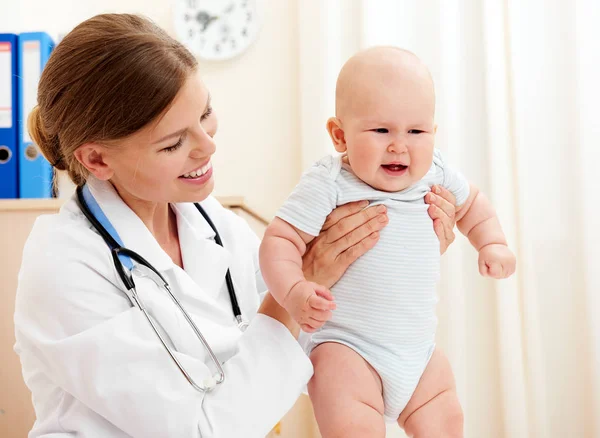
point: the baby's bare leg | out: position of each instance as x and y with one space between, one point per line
346 393
434 410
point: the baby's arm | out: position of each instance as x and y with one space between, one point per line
477 220
280 255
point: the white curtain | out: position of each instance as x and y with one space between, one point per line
518 113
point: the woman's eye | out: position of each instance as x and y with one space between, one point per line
415 131
381 130
175 146
207 114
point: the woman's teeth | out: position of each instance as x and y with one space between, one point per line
198 172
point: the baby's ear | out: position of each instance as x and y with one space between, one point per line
336 132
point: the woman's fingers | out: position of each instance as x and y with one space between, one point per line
444 201
445 235
443 213
369 229
368 217
342 212
349 256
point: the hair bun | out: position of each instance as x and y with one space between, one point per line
49 145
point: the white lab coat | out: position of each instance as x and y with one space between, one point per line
93 363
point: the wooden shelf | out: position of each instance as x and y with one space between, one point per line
30 204
42 205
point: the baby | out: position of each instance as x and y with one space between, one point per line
373 347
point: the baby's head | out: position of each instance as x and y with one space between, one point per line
385 105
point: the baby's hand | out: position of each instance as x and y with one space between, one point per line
496 261
309 304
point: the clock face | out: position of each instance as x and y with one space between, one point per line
216 29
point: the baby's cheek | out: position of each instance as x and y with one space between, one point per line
421 159
362 161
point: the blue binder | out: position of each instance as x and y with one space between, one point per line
35 173
8 116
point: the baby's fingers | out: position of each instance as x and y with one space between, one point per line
322 291
319 316
483 268
495 270
319 303
307 328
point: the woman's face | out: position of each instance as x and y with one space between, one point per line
169 161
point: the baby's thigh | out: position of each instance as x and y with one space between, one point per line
346 392
434 408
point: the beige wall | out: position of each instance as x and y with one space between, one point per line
255 95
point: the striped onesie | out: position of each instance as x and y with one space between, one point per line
386 299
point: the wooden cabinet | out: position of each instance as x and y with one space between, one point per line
16 410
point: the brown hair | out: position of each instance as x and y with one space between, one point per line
109 77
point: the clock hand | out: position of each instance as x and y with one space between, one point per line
204 19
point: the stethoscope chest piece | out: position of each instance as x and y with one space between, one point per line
242 325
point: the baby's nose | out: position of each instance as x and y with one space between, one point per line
397 146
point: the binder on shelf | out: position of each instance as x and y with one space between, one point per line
9 186
35 173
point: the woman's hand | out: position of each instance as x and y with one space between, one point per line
348 233
442 209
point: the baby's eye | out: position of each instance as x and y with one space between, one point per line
415 131
381 130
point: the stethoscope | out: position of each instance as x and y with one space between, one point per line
122 260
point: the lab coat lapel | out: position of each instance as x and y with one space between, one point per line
204 260
133 232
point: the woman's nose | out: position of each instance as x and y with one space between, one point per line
204 145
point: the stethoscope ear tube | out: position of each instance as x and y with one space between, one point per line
234 302
127 279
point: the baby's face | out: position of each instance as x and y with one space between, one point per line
389 129
390 138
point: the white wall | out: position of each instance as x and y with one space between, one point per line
255 95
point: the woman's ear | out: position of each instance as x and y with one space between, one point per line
92 157
334 127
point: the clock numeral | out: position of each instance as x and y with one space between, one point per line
233 44
249 16
245 32
217 48
192 4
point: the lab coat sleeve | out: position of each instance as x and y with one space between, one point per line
253 400
72 318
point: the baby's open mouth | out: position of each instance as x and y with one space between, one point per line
395 167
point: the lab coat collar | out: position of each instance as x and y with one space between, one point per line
204 260
133 232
